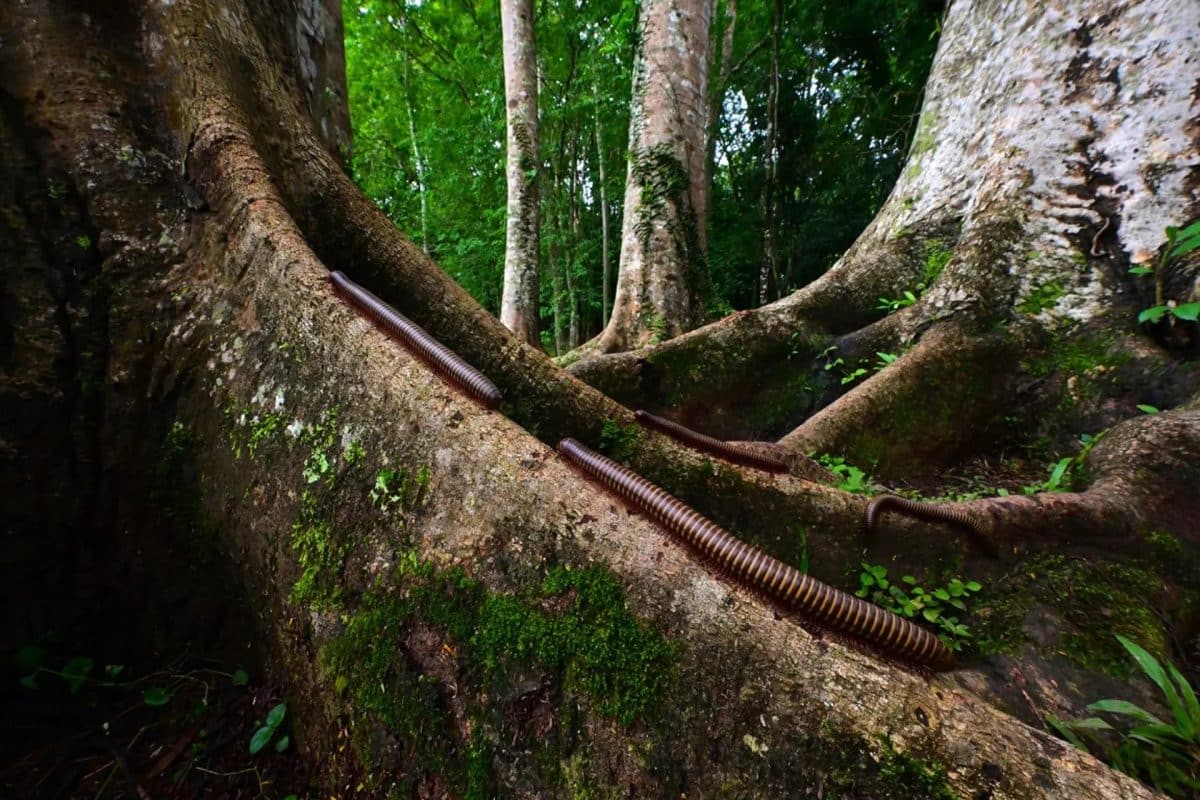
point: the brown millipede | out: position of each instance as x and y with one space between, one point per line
1096 251
930 512
444 360
824 604
700 441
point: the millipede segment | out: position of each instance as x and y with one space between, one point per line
444 361
929 512
709 444
822 603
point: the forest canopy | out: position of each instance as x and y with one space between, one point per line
427 108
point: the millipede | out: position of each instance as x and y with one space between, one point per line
825 605
709 444
929 512
444 361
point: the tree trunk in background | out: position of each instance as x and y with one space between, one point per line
768 279
418 161
169 210
662 270
716 97
519 306
602 194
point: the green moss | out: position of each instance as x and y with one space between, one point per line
851 770
574 626
1042 298
320 555
937 256
1076 355
618 441
1096 600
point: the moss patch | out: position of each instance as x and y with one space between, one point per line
1096 600
573 628
851 770
1041 298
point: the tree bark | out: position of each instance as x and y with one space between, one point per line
659 284
520 302
403 629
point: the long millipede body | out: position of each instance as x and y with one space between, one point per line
930 512
708 444
823 604
444 360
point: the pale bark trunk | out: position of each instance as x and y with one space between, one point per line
605 274
658 293
519 305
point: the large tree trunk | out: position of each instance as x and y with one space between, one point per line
520 303
468 630
662 267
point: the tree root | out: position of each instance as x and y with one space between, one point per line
930 406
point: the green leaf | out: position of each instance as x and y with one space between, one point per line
910 580
113 670
1064 730
1155 672
240 677
973 586
1056 476
1091 724
866 579
1158 734
931 614
1124 708
282 744
155 696
260 739
1141 271
1152 314
1147 409
276 715
30 657
1188 696
1187 311
340 682
76 671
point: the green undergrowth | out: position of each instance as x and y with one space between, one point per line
574 628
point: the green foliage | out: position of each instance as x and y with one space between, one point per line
1179 243
1164 754
320 554
911 601
833 362
851 478
266 732
430 74
890 304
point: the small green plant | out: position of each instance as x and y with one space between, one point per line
266 732
851 478
1165 755
885 360
1180 242
911 601
848 375
84 242
1147 409
890 304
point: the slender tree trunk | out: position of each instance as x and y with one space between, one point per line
418 160
519 306
573 203
768 279
660 285
716 96
602 195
